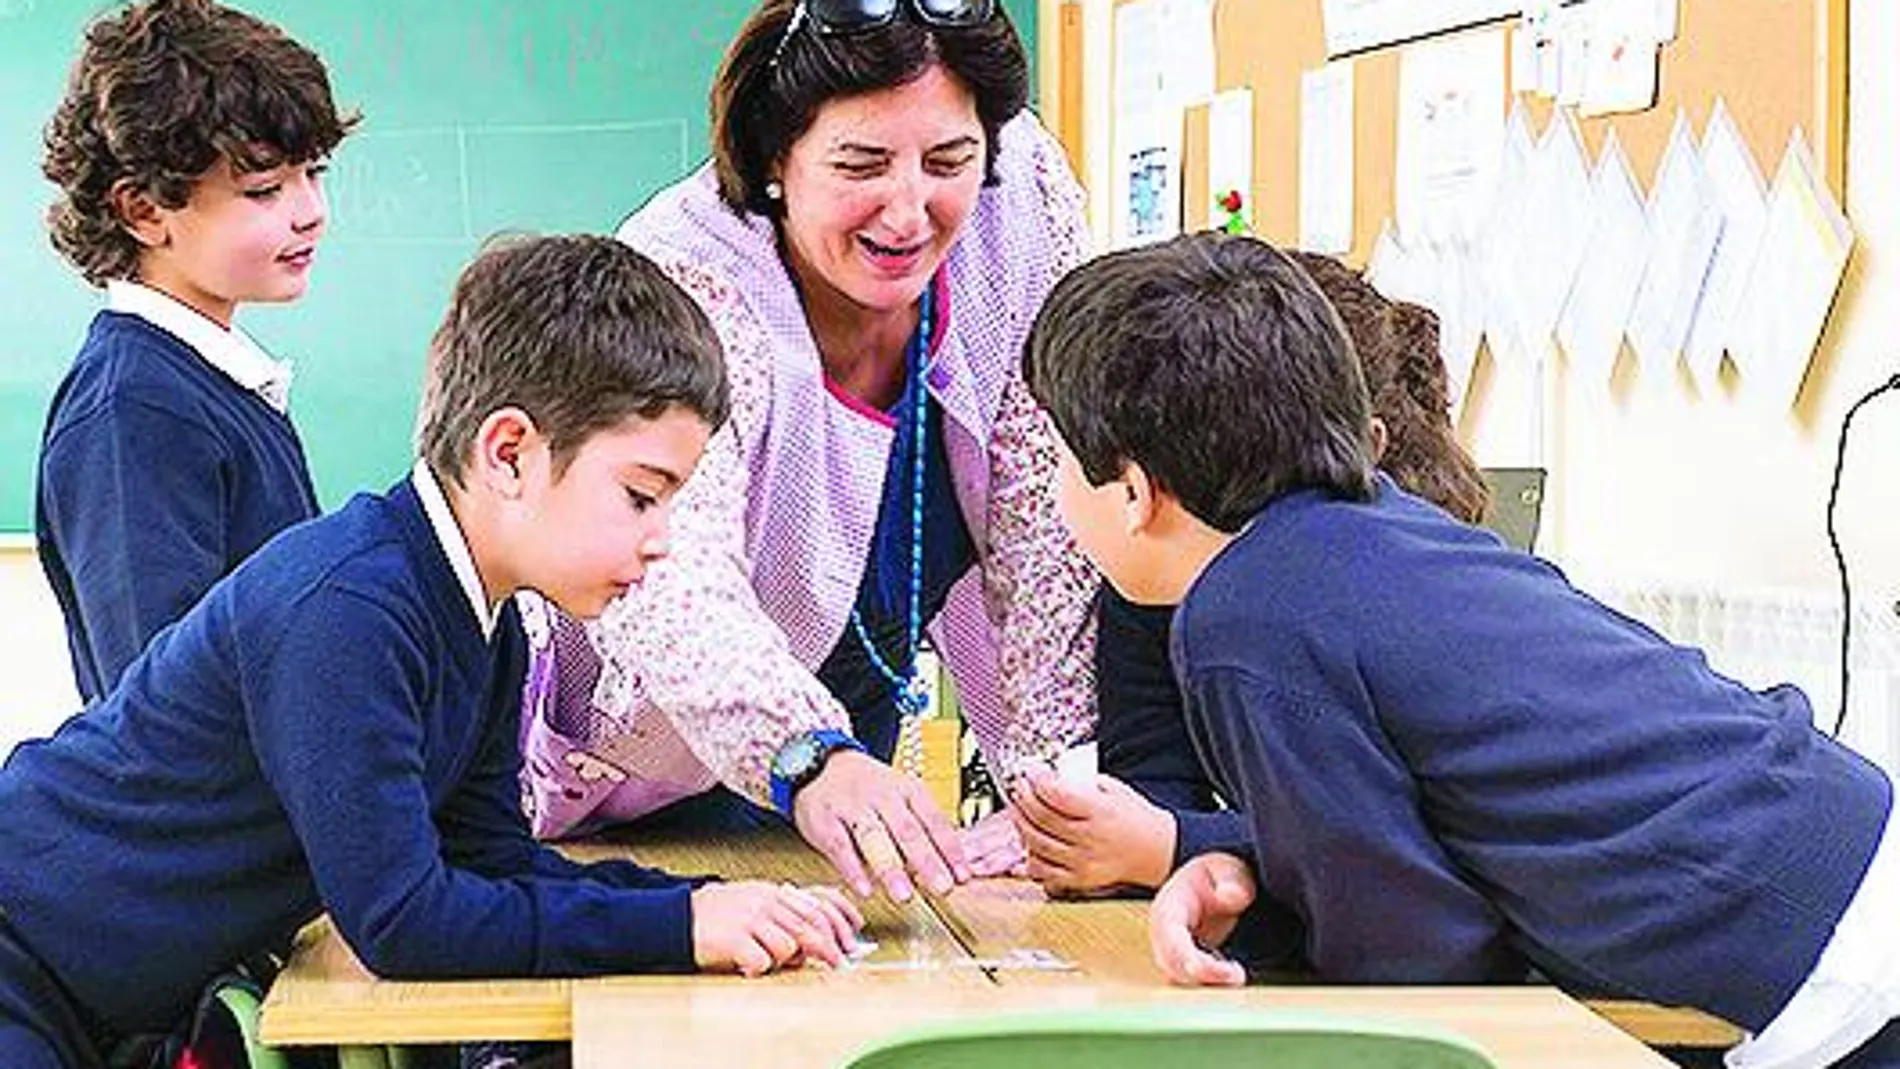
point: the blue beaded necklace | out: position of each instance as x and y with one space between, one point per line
912 691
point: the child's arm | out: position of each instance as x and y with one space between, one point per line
748 927
1342 841
142 540
1144 744
338 713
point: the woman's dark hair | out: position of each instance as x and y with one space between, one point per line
764 98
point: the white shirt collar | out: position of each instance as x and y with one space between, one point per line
435 505
231 351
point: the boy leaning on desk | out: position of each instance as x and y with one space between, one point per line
1455 767
333 728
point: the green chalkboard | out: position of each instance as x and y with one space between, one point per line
479 116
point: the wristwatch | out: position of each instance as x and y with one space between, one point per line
801 759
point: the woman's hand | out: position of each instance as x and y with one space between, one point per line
871 820
1194 913
1091 837
754 927
993 847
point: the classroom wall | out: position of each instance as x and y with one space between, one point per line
1672 485
36 682
1662 484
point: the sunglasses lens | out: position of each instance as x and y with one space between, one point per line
955 12
846 16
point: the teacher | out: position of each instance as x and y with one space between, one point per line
877 228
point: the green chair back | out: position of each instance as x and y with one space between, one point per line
1148 1038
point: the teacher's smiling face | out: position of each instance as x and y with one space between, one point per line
876 191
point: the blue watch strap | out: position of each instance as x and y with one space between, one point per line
824 742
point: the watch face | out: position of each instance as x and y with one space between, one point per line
795 759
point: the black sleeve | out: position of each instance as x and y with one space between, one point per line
1142 734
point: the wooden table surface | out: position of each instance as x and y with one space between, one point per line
737 1026
927 957
327 997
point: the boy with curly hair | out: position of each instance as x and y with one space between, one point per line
188 152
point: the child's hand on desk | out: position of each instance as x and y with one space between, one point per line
1091 836
755 927
993 848
1195 910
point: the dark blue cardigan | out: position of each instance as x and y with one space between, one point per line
157 475
1455 765
327 730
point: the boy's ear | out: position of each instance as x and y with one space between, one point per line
1381 437
505 452
139 214
1141 501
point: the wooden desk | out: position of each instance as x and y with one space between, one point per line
736 1026
326 997
992 916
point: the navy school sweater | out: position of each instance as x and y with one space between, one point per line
1454 765
157 475
326 730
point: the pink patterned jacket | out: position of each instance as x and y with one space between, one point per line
704 670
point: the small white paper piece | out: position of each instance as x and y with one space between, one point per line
1230 149
1326 159
1357 25
1507 226
1798 267
1665 18
1685 224
1077 765
1164 54
1163 61
1621 59
1591 329
1461 314
1451 134
1146 196
1742 196
1550 251
1570 36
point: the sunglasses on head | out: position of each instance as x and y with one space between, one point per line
832 18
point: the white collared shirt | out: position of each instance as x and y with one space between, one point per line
435 505
231 352
1854 989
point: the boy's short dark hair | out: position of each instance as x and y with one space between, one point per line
1212 361
760 105
580 332
161 91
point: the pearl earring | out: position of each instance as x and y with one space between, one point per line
774 191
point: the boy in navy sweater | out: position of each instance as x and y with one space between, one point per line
334 726
1151 808
1455 767
187 153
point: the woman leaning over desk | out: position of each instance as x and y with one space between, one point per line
877 228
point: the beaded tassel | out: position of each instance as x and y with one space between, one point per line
911 687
